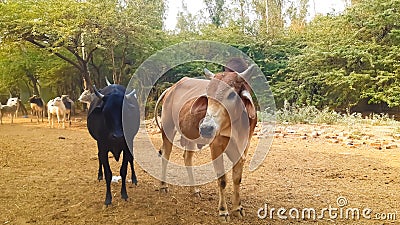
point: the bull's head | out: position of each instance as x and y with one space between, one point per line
56 102
111 110
228 97
85 97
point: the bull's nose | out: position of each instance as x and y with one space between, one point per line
117 136
207 131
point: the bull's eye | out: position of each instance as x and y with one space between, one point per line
231 95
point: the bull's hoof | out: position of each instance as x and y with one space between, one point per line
164 190
107 202
239 212
134 181
124 196
197 194
224 217
100 177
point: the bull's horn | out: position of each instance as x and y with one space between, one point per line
132 93
208 73
97 93
247 73
107 82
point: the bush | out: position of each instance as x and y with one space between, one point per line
292 114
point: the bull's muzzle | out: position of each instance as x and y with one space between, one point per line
117 136
208 128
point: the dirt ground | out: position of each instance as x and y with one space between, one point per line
48 176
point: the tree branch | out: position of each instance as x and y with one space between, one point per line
31 40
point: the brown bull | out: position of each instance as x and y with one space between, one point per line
220 112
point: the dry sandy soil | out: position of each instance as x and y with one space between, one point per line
48 176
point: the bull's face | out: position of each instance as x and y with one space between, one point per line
112 111
227 98
85 97
12 101
56 102
112 114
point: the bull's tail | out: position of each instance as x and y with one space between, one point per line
161 98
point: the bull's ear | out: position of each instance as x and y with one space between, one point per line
199 105
248 104
208 73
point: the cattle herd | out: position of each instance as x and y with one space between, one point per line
218 111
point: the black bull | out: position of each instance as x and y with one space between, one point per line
105 125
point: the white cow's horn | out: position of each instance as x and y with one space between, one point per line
97 93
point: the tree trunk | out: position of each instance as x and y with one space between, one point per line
34 82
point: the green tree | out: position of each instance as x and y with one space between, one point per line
186 21
76 30
346 58
216 10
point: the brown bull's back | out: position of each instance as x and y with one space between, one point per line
177 103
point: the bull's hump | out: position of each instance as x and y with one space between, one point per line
113 88
192 84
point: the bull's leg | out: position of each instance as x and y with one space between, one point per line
167 148
33 114
237 179
100 172
58 119
69 119
123 172
63 120
134 179
103 153
12 117
188 156
217 148
222 206
48 117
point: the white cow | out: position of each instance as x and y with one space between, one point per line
87 97
56 107
11 108
14 101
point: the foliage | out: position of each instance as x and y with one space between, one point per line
333 62
347 58
292 114
97 38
